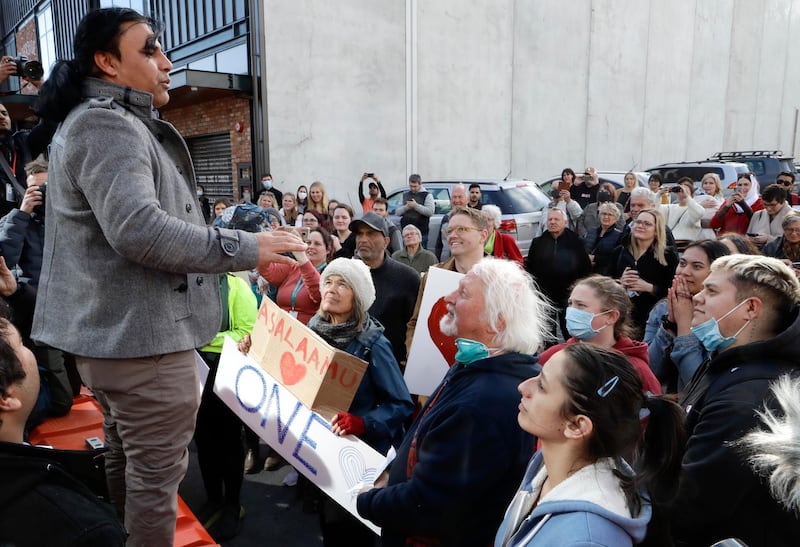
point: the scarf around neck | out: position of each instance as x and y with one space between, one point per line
340 335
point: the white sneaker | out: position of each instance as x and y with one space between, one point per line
291 478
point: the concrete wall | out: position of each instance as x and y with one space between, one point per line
491 88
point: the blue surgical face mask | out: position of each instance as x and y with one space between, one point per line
470 351
267 183
579 323
709 335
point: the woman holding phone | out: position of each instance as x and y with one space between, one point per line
735 212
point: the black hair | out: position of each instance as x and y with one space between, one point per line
11 371
656 176
604 386
741 176
774 192
713 248
569 171
474 185
786 174
99 30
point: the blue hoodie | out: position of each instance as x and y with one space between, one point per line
588 508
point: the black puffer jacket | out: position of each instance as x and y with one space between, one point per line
719 495
42 504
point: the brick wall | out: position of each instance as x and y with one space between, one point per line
28 46
217 116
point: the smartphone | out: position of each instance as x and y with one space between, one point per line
563 185
371 175
750 234
796 265
94 442
301 231
587 178
675 189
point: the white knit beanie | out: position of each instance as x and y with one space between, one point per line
357 275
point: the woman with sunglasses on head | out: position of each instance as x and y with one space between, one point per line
736 211
674 352
643 264
588 410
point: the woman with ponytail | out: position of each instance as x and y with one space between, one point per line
589 413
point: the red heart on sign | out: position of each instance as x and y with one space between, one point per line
445 343
291 372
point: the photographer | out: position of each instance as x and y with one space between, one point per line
375 190
19 148
22 229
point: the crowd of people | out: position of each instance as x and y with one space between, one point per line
614 387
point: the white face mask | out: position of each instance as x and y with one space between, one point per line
301 195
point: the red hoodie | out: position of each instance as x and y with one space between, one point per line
635 351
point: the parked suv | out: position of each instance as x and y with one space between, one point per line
728 172
766 165
521 202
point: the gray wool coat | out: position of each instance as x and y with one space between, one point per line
124 234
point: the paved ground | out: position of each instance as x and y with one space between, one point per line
274 516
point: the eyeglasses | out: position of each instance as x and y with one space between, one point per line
645 223
785 182
791 230
459 229
771 205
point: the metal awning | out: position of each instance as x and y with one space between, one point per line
194 86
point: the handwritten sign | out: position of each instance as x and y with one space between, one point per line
322 377
432 352
337 465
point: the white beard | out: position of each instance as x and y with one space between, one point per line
448 324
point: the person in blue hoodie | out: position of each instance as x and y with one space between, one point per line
587 409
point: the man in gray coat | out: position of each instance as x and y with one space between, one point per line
124 233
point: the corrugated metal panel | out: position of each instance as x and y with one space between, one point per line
13 11
188 20
211 155
66 16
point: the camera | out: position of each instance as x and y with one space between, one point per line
676 189
32 70
39 209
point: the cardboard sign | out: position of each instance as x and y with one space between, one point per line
432 353
322 377
340 466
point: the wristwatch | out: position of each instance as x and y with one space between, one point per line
666 324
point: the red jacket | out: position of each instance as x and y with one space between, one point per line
635 351
733 221
505 246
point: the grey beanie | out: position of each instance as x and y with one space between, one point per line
357 275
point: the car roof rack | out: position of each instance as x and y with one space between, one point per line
746 153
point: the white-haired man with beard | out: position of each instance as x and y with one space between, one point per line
464 455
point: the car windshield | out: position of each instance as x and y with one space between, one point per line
523 199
